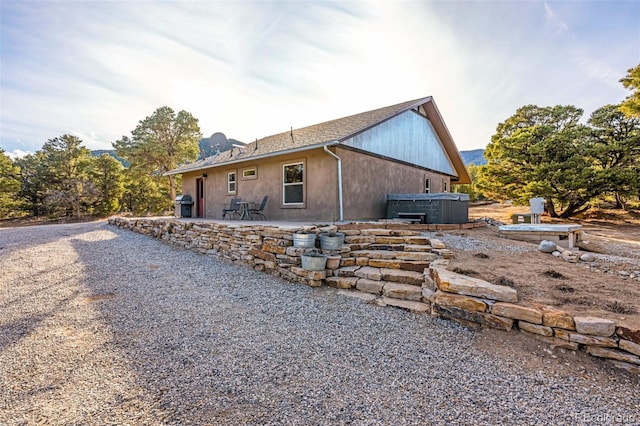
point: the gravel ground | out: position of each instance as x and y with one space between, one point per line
105 326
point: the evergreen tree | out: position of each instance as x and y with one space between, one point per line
159 144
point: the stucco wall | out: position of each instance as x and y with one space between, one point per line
367 180
320 187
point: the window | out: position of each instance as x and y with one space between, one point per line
427 185
444 185
231 182
250 173
293 184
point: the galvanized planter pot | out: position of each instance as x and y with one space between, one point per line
314 262
304 240
331 241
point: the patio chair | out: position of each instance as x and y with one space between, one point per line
259 211
232 209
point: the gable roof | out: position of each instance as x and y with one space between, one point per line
332 133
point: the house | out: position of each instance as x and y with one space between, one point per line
338 170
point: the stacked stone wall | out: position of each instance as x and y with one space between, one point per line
395 266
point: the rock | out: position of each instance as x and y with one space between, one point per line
493 321
557 319
461 284
613 354
554 341
606 342
370 286
628 346
342 282
587 257
595 326
428 294
384 263
630 368
547 246
535 329
369 273
524 313
348 271
366 297
420 255
407 304
402 276
623 273
569 256
629 334
437 244
312 275
467 303
402 291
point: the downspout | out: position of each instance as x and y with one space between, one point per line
326 149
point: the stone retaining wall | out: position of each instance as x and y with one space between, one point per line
391 265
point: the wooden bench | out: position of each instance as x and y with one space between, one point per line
563 235
414 217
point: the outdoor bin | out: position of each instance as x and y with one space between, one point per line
521 218
437 207
184 206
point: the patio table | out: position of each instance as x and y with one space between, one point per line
244 208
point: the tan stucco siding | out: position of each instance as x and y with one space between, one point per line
320 201
367 180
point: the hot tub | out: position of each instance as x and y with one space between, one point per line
439 207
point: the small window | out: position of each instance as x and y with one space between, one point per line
250 173
445 186
427 185
293 184
231 182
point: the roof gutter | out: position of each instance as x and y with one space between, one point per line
339 163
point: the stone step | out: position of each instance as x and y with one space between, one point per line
415 278
452 282
423 256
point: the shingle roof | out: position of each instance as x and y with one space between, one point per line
329 131
334 131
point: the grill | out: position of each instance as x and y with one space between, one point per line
184 206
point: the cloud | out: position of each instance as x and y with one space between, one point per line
556 25
251 69
17 153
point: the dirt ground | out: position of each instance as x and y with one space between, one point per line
609 287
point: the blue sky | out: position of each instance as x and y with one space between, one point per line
251 69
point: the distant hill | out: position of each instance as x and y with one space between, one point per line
218 142
474 156
111 152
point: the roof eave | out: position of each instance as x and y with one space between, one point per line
251 158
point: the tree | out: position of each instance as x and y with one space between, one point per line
631 105
34 182
9 186
107 175
614 147
142 194
471 188
539 152
160 143
66 165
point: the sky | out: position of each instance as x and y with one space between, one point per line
250 69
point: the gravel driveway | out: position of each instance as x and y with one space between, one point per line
100 325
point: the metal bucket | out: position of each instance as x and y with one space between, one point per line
331 242
304 240
314 262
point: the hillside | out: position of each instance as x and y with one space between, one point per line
474 156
